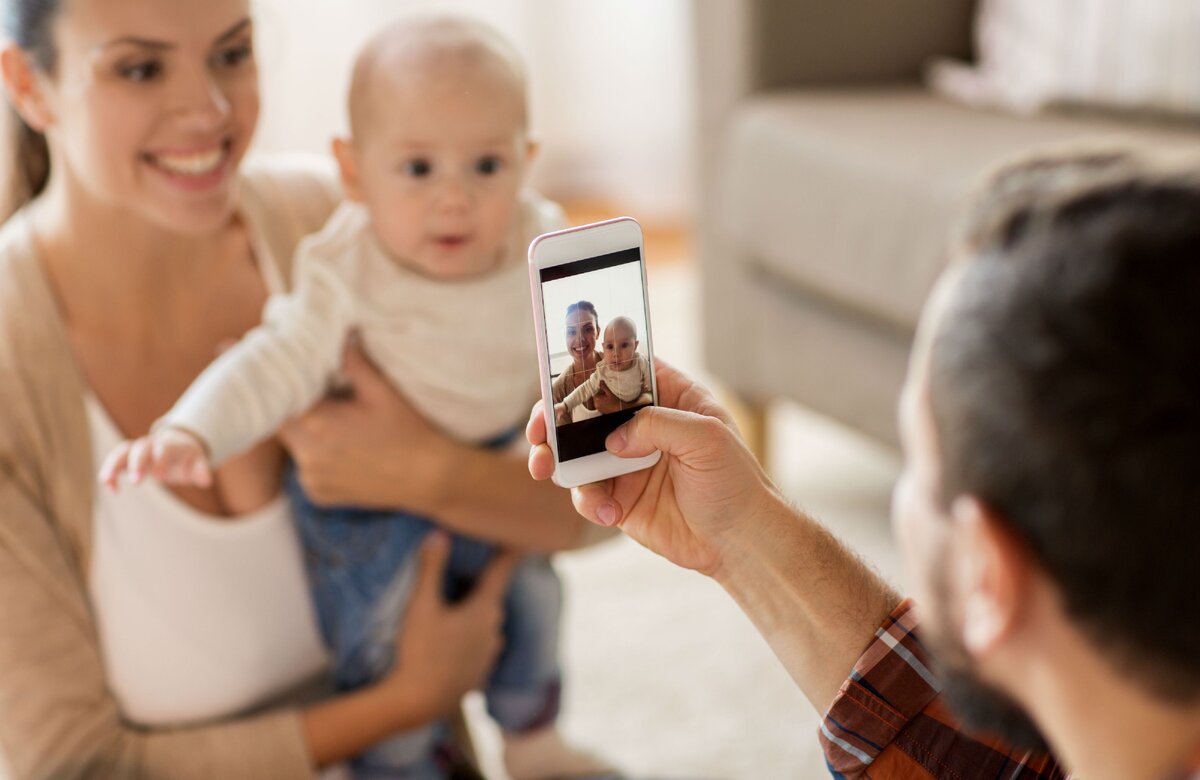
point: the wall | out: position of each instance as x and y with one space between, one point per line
611 87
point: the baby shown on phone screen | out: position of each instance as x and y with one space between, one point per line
624 372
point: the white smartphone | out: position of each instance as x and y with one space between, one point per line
595 352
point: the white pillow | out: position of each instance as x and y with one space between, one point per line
1141 55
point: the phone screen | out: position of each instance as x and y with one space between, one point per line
598 344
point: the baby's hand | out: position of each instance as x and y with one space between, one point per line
561 415
170 455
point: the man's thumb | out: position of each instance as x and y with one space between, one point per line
673 431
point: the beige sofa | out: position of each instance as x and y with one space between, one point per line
830 179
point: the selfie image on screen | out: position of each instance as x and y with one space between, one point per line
599 353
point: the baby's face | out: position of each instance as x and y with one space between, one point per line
440 164
620 347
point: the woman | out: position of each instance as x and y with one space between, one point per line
583 328
138 631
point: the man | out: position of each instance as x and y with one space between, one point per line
1049 507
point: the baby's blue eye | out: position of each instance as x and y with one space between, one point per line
489 166
418 168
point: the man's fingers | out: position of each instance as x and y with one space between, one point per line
670 430
535 429
595 502
541 462
677 390
432 562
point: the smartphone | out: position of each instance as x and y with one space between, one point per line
595 352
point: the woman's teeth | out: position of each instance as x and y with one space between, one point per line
193 164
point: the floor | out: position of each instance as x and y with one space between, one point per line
664 675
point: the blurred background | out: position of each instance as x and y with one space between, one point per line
799 167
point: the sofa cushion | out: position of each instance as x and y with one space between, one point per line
851 193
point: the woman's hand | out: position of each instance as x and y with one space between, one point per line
684 507
442 651
371 449
445 650
604 401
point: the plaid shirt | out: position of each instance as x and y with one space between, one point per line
888 721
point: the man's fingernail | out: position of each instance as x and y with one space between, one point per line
606 514
616 440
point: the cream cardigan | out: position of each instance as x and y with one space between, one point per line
57 718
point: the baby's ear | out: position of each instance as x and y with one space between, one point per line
343 152
532 148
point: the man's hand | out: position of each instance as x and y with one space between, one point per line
683 507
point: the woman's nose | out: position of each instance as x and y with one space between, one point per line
202 102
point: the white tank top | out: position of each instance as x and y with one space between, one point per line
199 617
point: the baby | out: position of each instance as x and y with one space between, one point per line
426 261
623 371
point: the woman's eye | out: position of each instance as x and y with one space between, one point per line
489 166
142 71
234 56
417 168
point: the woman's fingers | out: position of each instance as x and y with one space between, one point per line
493 583
367 381
431 561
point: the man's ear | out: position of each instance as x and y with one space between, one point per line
25 88
343 152
994 581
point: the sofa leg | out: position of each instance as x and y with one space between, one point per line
751 418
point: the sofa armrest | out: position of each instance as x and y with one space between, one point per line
744 46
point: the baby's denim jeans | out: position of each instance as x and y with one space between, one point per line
362 566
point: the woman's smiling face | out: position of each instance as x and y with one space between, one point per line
152 105
582 330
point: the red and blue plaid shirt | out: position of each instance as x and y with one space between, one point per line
889 722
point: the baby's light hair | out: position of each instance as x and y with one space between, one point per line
425 39
623 321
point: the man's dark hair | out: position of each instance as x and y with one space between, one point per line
1065 388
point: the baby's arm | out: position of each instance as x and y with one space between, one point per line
276 371
581 394
170 455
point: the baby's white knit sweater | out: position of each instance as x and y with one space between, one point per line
462 352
